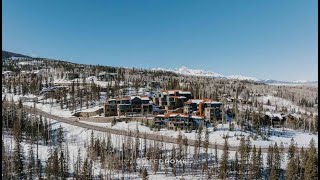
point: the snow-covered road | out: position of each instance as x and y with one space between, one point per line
149 136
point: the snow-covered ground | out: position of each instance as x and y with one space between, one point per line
79 138
301 138
278 136
95 108
53 109
88 80
280 102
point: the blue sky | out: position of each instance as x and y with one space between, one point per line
266 39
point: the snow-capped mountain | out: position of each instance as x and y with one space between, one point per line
199 72
196 72
240 77
289 83
190 72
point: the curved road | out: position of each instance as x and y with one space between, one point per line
149 136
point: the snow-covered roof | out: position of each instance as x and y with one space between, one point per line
296 115
175 115
37 71
277 115
144 98
124 98
197 101
132 97
123 104
196 117
179 91
161 115
140 97
7 72
270 114
212 102
25 72
177 97
184 92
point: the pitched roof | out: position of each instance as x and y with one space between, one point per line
212 102
177 97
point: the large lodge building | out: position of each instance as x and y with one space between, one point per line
172 108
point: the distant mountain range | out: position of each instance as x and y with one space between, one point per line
193 72
198 72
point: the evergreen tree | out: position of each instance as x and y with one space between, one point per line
298 165
259 163
206 145
78 165
60 137
242 153
281 150
311 166
215 153
273 173
247 153
55 163
185 144
304 158
39 169
18 159
5 162
66 161
291 173
85 170
62 161
291 150
173 159
277 159
31 162
270 159
236 166
253 165
48 168
224 160
144 174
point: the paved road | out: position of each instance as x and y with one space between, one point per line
149 136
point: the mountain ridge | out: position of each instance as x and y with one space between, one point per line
183 70
198 72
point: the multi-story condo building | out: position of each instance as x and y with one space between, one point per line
171 99
128 105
